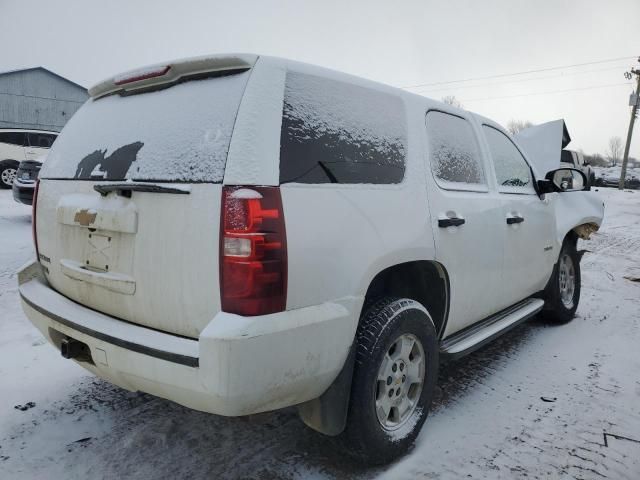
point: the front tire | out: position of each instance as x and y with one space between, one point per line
564 290
393 382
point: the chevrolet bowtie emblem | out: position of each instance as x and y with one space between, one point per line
84 217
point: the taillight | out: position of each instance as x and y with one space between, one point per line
253 251
34 203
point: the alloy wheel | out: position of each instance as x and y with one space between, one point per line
400 381
8 176
566 280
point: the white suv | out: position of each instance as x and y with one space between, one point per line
241 234
17 145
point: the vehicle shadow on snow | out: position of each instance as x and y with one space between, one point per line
18 219
456 378
155 438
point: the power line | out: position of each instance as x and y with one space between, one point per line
490 84
549 92
525 72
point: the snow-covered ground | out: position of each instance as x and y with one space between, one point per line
490 419
614 172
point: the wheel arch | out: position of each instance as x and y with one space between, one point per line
577 213
425 281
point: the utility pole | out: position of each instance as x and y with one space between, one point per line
634 113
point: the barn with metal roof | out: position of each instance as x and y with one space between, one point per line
37 98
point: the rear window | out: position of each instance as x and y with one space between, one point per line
177 134
337 132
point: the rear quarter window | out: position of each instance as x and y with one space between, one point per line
12 138
338 132
176 134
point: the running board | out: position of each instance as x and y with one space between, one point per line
481 333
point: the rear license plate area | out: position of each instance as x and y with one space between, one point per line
99 248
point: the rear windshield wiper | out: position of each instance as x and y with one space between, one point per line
125 189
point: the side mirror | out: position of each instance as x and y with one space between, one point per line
563 180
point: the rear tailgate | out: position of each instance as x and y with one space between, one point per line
129 203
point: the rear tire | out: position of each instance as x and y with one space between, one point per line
8 171
563 293
394 378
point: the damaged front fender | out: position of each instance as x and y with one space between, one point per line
581 212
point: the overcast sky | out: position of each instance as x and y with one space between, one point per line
400 43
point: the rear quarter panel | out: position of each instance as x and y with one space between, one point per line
341 236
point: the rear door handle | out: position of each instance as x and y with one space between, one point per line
515 219
450 222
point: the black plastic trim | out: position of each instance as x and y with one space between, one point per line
103 189
450 222
514 220
134 347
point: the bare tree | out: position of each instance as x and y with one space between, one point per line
596 160
452 100
614 154
515 126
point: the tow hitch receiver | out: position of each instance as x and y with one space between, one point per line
70 348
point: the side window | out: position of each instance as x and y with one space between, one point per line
512 171
456 161
566 157
40 140
13 138
337 132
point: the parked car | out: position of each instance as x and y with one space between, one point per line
611 178
244 234
632 182
25 182
17 145
572 159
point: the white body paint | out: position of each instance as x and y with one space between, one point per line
162 286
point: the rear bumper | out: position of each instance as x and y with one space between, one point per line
238 366
23 192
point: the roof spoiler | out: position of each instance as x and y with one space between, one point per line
172 72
